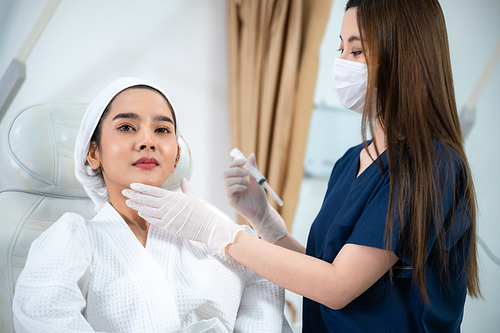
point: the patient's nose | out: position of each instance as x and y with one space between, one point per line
146 141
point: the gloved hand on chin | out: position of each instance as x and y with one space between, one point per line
249 199
181 214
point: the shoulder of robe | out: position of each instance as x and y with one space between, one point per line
70 230
69 223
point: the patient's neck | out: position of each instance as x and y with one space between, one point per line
137 224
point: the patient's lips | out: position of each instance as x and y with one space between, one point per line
146 163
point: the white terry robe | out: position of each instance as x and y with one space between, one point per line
85 276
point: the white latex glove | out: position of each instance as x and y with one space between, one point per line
249 199
181 214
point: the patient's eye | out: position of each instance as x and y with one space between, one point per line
125 128
163 130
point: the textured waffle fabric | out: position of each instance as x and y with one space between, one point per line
94 275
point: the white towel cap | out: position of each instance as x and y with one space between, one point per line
92 180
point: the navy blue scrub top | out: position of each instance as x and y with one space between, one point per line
354 211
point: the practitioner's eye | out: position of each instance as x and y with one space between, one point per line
341 51
356 53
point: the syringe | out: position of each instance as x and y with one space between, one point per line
259 178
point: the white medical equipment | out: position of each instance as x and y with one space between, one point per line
15 74
468 111
255 174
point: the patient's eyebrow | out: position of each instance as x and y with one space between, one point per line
162 118
132 115
129 115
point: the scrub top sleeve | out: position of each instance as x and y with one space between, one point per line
455 216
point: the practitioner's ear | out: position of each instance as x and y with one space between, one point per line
93 156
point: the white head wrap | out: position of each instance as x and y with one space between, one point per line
92 180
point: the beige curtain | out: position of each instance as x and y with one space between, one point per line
273 51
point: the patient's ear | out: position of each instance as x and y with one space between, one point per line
178 156
93 156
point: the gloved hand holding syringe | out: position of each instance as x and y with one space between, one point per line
255 174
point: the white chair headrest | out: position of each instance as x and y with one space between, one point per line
36 152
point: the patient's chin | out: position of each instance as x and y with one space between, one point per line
151 182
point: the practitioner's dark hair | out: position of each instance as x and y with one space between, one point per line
410 78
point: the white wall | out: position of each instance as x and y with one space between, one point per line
473 30
476 31
180 45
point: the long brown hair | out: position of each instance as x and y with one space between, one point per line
410 78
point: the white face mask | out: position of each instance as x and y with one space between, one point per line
349 81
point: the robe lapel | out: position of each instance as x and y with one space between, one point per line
157 293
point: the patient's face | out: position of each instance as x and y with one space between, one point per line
138 143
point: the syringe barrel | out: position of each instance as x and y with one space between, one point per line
254 173
259 178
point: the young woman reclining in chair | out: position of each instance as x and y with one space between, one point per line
118 273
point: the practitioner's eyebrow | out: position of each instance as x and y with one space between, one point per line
351 39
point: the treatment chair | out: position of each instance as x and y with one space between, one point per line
38 185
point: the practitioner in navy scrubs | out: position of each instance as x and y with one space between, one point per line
393 248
